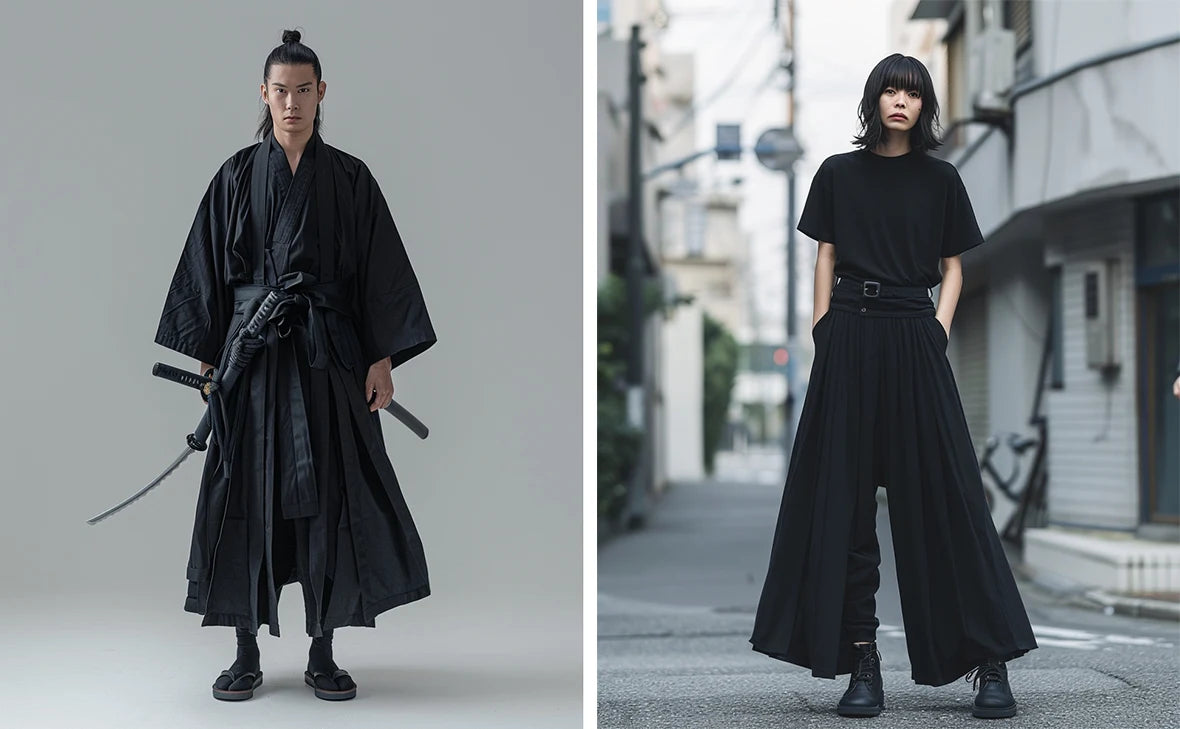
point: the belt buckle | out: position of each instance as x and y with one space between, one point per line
876 290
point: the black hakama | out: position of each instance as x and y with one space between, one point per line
882 409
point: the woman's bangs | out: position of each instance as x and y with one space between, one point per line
903 76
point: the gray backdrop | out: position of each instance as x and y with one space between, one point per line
116 116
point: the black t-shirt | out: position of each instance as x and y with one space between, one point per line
890 218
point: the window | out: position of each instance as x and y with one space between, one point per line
1057 353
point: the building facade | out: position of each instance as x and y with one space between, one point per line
1062 123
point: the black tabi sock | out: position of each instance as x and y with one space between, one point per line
248 653
319 656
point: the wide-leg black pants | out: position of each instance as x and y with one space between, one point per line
882 409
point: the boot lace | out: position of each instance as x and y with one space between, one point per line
864 667
990 671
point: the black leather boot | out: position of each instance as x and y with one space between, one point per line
866 692
994 699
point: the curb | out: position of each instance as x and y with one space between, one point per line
1091 598
1138 607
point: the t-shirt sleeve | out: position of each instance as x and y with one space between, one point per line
816 219
962 230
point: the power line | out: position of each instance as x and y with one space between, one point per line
751 48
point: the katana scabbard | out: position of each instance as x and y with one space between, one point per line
245 344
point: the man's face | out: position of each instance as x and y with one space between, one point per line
292 94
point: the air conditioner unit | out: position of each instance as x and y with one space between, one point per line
1099 307
995 72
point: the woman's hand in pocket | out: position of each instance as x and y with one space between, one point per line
818 319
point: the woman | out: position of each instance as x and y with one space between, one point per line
882 408
297 485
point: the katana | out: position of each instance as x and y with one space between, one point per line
248 341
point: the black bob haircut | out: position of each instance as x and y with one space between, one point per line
904 73
290 53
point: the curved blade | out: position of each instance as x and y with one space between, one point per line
144 490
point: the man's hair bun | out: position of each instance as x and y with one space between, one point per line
291 36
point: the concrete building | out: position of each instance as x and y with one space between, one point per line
693 244
1061 118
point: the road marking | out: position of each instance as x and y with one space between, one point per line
1083 645
1063 632
1061 637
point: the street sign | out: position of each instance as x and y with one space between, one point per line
729 141
777 149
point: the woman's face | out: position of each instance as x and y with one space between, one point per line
292 94
906 102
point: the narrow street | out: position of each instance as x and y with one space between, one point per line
676 603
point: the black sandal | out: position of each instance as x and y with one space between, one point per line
241 694
329 694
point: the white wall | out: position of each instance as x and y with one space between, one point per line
116 117
1103 126
1018 318
684 385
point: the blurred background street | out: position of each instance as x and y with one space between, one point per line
1060 118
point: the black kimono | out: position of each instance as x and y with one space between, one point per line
295 451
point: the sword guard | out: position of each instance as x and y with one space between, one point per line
194 443
208 387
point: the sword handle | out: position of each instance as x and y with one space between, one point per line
265 309
183 377
236 361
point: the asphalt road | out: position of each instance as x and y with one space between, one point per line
675 608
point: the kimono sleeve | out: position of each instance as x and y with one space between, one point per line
197 307
961 232
394 321
816 219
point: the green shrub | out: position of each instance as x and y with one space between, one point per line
721 361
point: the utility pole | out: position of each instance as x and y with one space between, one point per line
790 411
778 149
636 409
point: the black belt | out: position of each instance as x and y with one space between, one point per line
306 295
297 486
873 289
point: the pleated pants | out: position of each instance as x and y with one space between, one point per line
882 409
288 562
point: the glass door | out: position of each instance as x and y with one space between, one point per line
1157 282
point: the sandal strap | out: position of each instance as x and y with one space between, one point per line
335 674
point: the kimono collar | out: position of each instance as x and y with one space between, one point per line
324 198
309 151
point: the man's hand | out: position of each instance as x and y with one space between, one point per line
1176 387
379 384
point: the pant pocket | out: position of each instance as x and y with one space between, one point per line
815 327
940 332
